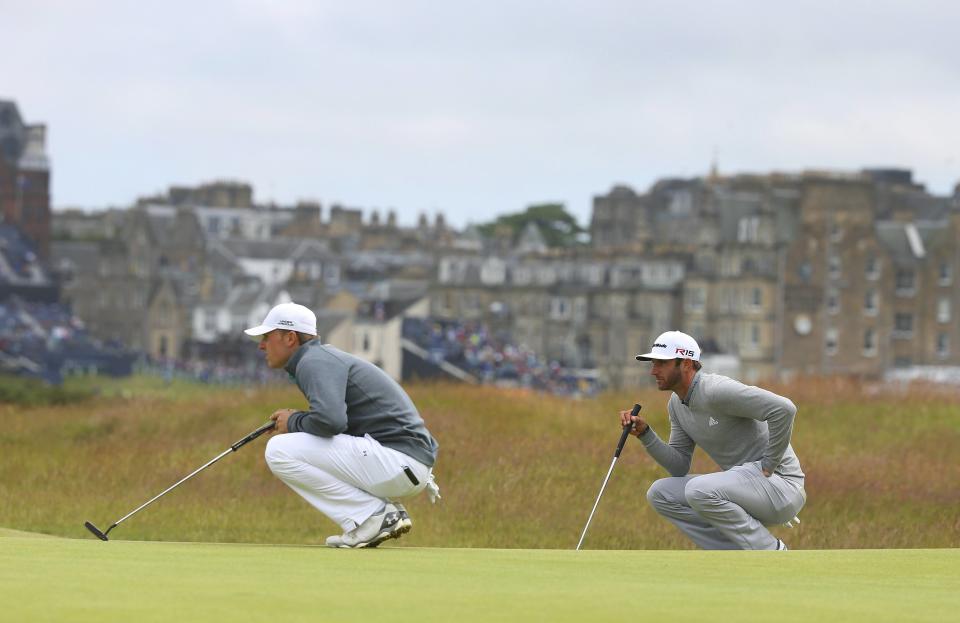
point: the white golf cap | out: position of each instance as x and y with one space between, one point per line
289 316
673 345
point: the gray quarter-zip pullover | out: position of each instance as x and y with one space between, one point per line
734 424
349 395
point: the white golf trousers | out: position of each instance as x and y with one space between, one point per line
730 509
346 478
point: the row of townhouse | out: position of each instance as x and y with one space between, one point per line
775 275
580 311
161 280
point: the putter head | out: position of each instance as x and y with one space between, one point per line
96 531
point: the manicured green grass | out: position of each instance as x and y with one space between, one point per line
55 579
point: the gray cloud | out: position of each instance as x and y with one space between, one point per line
477 108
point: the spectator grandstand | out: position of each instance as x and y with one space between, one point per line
493 358
44 340
38 336
18 260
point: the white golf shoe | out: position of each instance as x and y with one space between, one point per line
405 522
387 524
335 540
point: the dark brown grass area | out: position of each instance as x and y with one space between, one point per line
516 469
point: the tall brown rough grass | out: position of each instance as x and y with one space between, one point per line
516 469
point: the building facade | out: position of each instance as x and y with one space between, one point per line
24 176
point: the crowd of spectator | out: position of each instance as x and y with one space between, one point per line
38 336
493 357
45 340
254 372
18 260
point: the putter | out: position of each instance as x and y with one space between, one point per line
103 535
616 455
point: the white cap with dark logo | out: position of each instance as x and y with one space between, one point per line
289 316
673 345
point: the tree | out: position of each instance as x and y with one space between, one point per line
559 227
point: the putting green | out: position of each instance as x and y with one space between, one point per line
56 579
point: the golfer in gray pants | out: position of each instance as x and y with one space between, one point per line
745 429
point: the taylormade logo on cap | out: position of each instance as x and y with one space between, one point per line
673 345
288 316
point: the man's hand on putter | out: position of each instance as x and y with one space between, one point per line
639 424
280 416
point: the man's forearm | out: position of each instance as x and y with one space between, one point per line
675 462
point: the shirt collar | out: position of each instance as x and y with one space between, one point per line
295 358
693 386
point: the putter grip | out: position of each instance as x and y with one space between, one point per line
626 432
268 426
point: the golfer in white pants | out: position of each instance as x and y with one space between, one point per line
358 446
745 429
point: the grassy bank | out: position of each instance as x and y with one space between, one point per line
516 470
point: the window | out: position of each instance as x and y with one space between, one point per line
870 303
905 281
331 274
945 274
595 275
832 337
580 309
522 275
872 270
833 301
943 310
755 334
869 343
943 345
727 300
559 308
210 320
681 203
546 275
833 267
694 300
805 271
757 297
836 232
902 325
748 229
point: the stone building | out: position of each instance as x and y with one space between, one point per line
217 194
580 312
24 176
814 273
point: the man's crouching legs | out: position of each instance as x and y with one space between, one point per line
667 498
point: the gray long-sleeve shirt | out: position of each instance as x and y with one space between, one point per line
733 423
349 395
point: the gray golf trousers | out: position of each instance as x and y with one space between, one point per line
729 510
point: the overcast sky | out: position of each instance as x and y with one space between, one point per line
476 109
